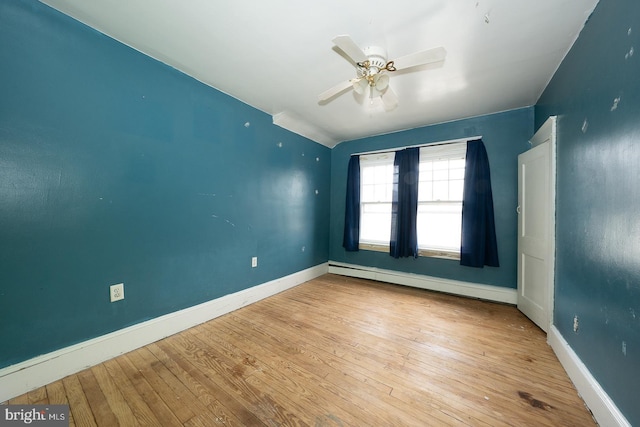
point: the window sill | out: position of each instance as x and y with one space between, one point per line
373 247
439 254
431 253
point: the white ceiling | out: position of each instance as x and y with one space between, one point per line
277 55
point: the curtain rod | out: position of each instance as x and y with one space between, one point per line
393 150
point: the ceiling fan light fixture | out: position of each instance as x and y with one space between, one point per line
381 82
360 86
389 99
375 92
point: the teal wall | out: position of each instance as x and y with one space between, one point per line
598 191
505 135
116 168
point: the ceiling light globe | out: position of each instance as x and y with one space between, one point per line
382 82
360 86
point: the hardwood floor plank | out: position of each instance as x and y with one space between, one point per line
299 385
275 311
338 377
142 414
78 404
245 416
58 396
335 351
232 374
169 388
369 361
114 398
461 353
211 408
38 396
102 412
147 393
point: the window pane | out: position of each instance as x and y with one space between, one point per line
376 183
456 189
381 174
367 193
375 223
439 226
457 163
425 191
441 165
441 190
456 173
376 188
426 166
441 174
376 208
379 193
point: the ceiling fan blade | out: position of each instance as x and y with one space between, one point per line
337 89
420 58
350 47
389 99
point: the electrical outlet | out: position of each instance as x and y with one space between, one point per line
575 323
254 262
116 292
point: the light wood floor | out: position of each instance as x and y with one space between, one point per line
335 351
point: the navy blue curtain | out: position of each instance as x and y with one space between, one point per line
351 237
404 207
479 246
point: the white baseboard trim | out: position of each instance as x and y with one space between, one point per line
456 287
41 370
604 410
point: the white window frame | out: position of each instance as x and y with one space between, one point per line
380 200
450 182
427 154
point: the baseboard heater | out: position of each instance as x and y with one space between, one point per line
455 287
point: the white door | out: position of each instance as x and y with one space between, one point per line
536 227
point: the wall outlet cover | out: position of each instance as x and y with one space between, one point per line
116 292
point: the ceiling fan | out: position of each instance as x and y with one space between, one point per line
372 68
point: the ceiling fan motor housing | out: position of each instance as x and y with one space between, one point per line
377 58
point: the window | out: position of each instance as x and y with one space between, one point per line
440 191
376 186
